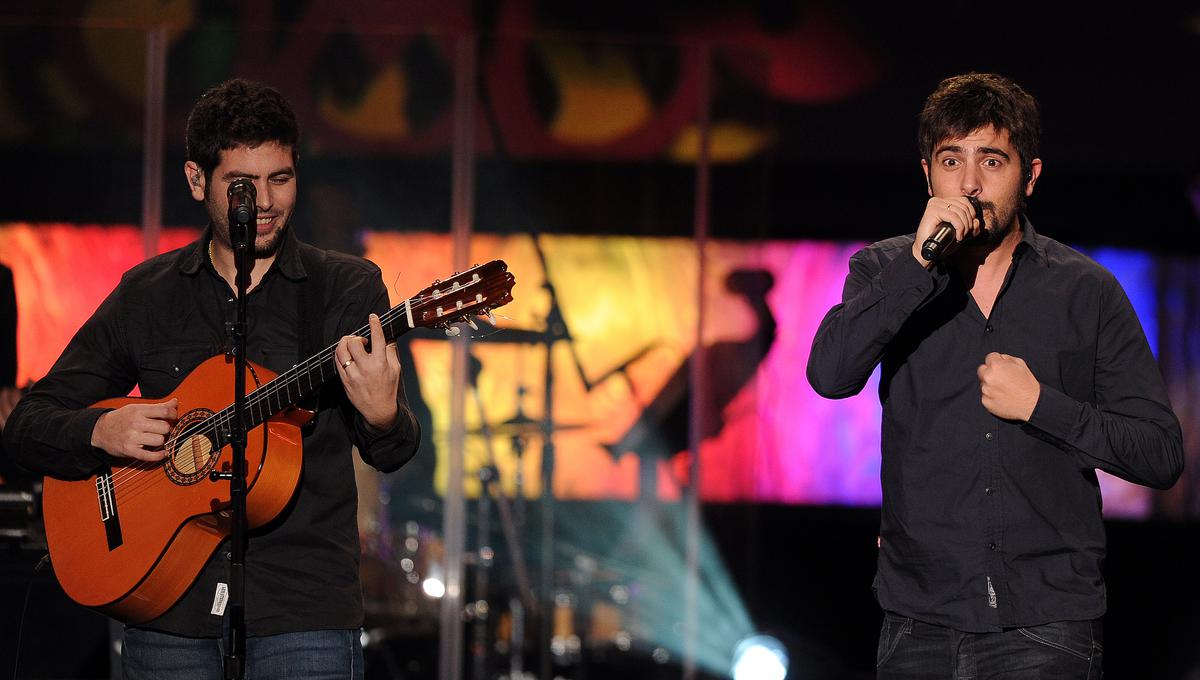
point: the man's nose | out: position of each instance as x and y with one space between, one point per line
970 181
262 189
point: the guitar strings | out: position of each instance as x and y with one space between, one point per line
214 424
125 480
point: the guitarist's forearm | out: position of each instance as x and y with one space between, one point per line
50 440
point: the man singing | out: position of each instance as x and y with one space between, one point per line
1013 367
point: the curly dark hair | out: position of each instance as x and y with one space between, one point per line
965 103
239 112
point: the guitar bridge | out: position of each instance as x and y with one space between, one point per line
107 498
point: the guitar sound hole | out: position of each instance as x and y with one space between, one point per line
190 451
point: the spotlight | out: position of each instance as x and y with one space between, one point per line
760 657
433 587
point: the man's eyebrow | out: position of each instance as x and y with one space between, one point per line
989 150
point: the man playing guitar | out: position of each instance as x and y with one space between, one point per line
167 316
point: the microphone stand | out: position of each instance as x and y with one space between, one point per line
242 218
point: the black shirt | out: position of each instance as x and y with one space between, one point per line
987 523
166 316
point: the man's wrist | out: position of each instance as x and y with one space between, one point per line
380 424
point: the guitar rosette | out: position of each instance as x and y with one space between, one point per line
191 452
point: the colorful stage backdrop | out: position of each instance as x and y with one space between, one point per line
615 371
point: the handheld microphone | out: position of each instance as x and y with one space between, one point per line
943 241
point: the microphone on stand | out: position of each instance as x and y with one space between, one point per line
243 210
943 241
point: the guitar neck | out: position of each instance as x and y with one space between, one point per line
307 377
474 291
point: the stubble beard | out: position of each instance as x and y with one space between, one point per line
1003 222
264 246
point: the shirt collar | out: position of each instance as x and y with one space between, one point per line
1031 241
287 261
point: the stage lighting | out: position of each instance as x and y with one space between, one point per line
760 657
433 587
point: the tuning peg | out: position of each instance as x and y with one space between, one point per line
491 317
453 331
471 323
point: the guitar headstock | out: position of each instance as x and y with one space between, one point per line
474 292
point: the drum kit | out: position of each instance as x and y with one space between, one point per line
575 610
590 610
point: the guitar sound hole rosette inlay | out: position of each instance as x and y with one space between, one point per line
191 453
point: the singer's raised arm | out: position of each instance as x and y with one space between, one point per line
884 287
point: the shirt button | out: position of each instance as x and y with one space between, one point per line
988 328
988 436
989 491
991 546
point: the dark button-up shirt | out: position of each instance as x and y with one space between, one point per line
166 316
989 523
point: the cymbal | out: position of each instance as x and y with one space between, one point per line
522 429
517 336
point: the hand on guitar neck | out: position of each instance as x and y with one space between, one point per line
136 430
371 377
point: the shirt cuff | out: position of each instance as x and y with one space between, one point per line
904 276
78 435
387 450
1055 414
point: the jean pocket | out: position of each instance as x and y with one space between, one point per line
1072 637
894 628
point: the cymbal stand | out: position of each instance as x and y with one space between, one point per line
488 476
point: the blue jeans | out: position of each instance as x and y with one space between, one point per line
1063 650
311 655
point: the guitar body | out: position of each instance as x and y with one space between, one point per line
130 541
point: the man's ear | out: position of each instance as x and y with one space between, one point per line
195 179
928 184
1031 178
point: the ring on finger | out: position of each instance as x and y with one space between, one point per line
347 362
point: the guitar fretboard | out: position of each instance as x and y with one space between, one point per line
474 291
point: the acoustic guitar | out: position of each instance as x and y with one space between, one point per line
131 539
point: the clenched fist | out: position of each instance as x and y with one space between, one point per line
1009 389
